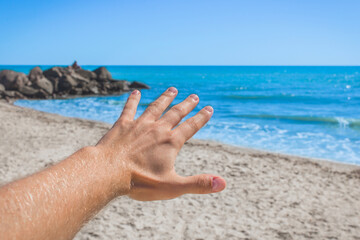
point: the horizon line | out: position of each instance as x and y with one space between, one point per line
161 65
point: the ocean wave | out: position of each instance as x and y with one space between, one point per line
288 97
340 121
259 97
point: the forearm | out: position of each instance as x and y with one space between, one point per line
54 203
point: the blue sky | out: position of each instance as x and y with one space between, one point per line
180 32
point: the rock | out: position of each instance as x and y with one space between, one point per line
86 74
44 84
66 83
75 65
102 74
76 91
54 72
55 83
92 88
10 94
119 85
139 85
35 73
105 86
78 78
13 94
13 80
28 91
42 94
62 82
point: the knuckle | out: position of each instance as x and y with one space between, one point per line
158 130
203 184
173 139
137 129
122 122
155 104
203 114
178 110
193 124
153 108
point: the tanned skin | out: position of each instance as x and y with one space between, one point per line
134 158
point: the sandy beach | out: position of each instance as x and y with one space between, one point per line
268 196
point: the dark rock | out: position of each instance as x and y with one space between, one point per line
13 94
86 74
66 83
139 85
55 83
44 84
35 73
54 72
92 88
119 85
19 95
75 65
78 78
13 80
10 94
102 74
62 82
105 86
28 91
76 91
42 94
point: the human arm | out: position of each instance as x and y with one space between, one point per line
135 158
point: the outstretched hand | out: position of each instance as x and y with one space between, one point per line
148 147
134 158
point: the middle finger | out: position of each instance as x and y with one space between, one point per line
179 111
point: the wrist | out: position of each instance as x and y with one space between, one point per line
112 168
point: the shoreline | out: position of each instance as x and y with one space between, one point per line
207 140
269 195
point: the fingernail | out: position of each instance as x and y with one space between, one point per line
172 90
194 97
216 184
209 109
135 92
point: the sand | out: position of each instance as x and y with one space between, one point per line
269 196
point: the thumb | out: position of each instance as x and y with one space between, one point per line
203 184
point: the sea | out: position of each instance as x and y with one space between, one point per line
309 111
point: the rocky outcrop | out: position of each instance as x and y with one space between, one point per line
102 74
35 73
62 82
13 80
86 74
139 85
44 84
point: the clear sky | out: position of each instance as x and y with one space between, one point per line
110 32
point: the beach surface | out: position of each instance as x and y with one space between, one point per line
268 195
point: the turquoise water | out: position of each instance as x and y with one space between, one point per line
307 111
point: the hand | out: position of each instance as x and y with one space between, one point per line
148 147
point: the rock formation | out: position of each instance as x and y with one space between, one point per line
62 82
